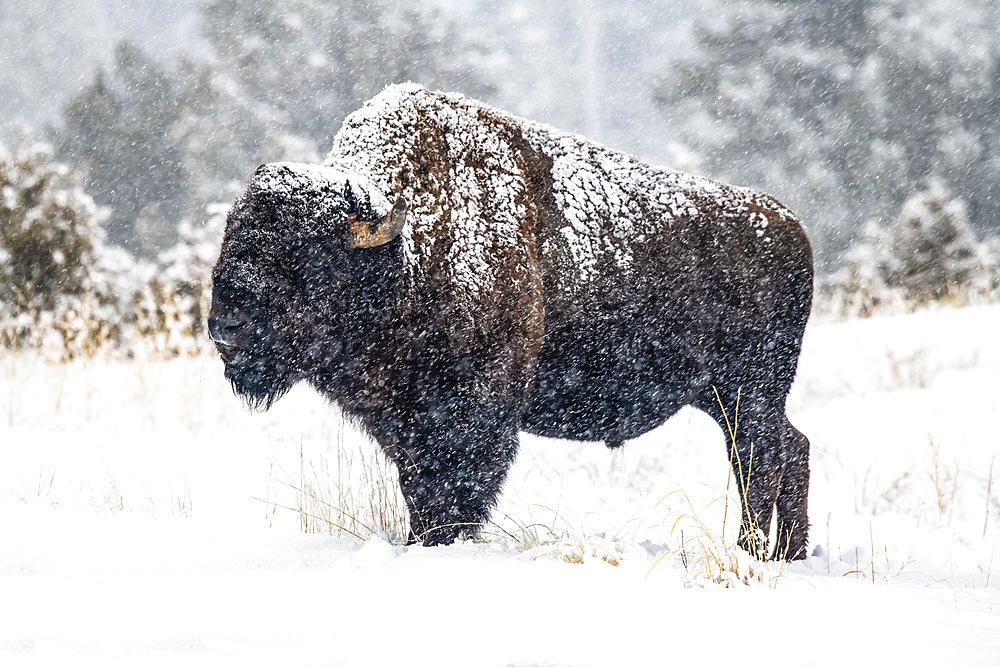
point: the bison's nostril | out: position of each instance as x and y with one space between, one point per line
229 331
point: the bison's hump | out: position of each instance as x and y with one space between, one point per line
475 196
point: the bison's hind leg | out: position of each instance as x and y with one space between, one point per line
793 520
770 461
754 450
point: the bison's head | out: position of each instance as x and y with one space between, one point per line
282 288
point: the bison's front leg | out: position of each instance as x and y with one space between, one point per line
451 470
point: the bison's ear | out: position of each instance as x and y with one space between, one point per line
364 234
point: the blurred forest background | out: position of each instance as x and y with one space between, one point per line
126 129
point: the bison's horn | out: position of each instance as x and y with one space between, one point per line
370 234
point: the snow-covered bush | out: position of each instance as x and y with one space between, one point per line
61 285
174 306
48 229
933 253
928 254
67 292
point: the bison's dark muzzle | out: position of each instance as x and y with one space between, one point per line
231 332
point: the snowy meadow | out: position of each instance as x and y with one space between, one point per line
147 516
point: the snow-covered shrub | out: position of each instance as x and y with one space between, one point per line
67 292
62 288
175 300
929 254
933 253
48 229
859 288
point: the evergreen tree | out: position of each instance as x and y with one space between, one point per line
313 61
223 136
929 253
841 108
932 250
120 127
163 144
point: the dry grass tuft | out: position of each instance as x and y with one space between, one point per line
575 546
357 495
706 558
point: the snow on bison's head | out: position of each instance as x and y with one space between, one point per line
284 284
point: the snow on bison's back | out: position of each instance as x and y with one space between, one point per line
453 274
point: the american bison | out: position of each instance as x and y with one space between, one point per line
453 274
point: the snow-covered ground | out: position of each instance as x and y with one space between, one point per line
146 518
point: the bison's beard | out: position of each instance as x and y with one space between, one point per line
260 380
